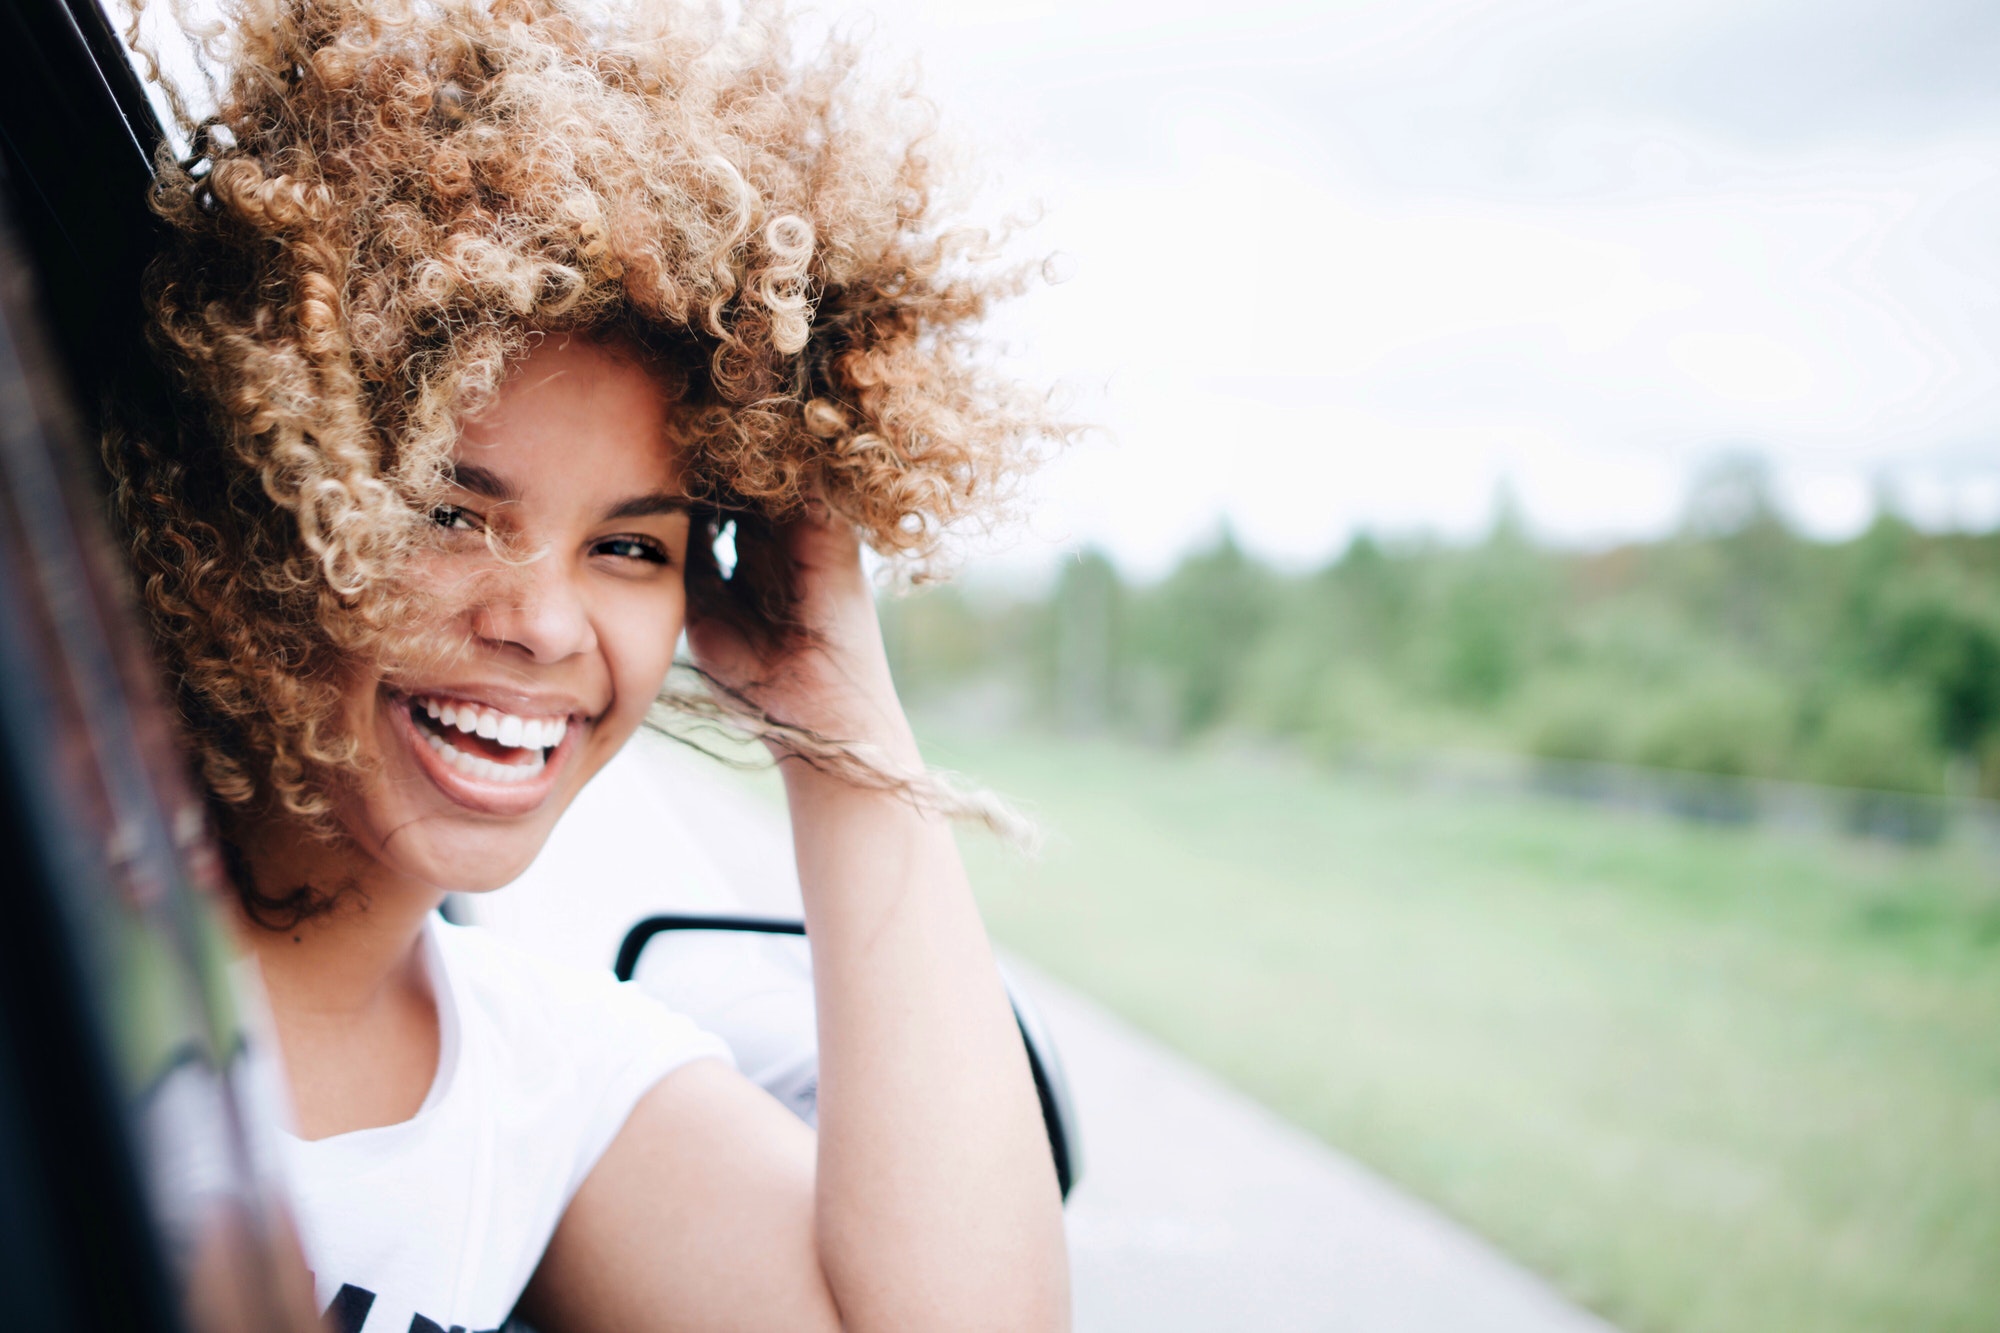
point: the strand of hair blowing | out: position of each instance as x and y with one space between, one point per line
394 198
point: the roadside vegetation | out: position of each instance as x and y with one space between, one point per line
1709 1076
1707 1079
1736 647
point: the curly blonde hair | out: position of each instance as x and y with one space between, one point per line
394 198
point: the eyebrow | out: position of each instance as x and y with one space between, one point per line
649 506
487 485
492 486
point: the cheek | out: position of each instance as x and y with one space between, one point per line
448 587
639 636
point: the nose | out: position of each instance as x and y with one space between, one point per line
537 608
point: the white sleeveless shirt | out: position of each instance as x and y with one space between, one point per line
438 1222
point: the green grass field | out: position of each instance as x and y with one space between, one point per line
1706 1080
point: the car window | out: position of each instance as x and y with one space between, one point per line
136 1110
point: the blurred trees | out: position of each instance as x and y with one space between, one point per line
1734 647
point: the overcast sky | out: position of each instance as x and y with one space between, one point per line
1358 265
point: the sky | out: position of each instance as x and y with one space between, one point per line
1366 266
1370 265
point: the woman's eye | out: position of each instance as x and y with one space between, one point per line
454 518
633 548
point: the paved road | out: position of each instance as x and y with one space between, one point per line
1199 1211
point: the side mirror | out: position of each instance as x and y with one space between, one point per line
748 979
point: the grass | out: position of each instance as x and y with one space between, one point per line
1705 1080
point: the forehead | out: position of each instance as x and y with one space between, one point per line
575 419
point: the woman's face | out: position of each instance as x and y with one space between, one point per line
555 646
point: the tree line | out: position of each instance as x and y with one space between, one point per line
1736 646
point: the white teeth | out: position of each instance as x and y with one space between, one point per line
482 769
516 733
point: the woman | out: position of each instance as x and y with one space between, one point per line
485 317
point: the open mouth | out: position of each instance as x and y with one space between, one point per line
485 744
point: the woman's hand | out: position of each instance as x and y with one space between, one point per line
834 678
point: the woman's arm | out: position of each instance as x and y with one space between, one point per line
937 1202
934 1203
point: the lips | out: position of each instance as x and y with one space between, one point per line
492 759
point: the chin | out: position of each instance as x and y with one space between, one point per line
471 860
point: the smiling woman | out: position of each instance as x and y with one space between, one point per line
391 206
487 319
